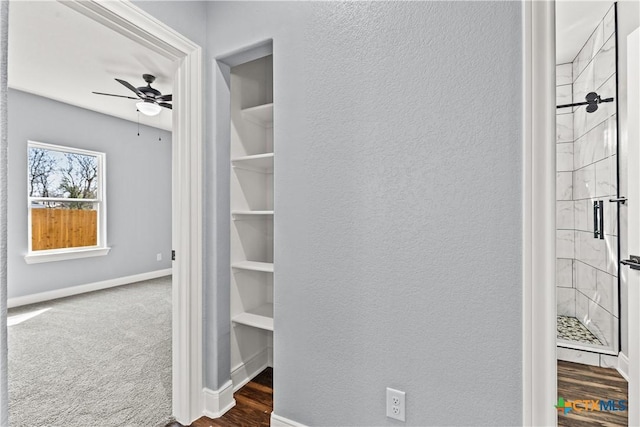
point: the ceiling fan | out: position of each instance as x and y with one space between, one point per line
151 99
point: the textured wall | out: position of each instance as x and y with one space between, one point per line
138 193
4 27
398 205
186 17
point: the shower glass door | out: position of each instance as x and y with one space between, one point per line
587 188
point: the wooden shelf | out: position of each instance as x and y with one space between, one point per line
261 317
266 267
261 114
258 163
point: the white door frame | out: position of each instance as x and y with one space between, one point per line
633 173
187 140
539 216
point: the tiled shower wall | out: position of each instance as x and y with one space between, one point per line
565 233
586 171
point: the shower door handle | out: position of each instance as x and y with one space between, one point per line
601 209
598 219
596 223
633 262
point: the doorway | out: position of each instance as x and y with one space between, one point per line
591 182
539 284
587 191
133 23
98 149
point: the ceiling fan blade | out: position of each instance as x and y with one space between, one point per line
165 105
165 98
110 94
132 88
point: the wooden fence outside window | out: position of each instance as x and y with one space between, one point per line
63 228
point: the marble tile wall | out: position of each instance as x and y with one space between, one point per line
586 278
565 223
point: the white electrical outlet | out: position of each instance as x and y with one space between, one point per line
159 257
395 404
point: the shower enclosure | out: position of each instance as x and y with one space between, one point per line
587 215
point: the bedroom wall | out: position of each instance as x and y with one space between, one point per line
138 193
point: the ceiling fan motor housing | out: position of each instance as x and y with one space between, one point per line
149 91
146 94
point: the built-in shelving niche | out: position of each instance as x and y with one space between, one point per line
252 215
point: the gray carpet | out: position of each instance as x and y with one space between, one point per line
97 359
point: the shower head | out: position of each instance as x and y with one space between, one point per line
592 107
592 100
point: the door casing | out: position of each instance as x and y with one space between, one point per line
187 180
538 240
633 233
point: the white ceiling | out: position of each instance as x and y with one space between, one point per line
575 21
59 53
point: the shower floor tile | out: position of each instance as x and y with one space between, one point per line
570 328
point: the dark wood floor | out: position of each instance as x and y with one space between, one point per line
582 382
254 404
254 401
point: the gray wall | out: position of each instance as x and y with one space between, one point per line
4 395
138 193
398 200
398 238
189 18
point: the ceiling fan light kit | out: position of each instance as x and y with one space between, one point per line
151 100
148 108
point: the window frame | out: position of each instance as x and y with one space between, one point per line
101 248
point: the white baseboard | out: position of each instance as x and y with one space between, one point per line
217 402
244 372
278 421
623 365
81 289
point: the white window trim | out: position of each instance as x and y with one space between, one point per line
101 249
61 255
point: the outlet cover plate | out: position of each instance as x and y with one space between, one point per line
395 404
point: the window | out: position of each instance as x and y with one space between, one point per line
66 203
